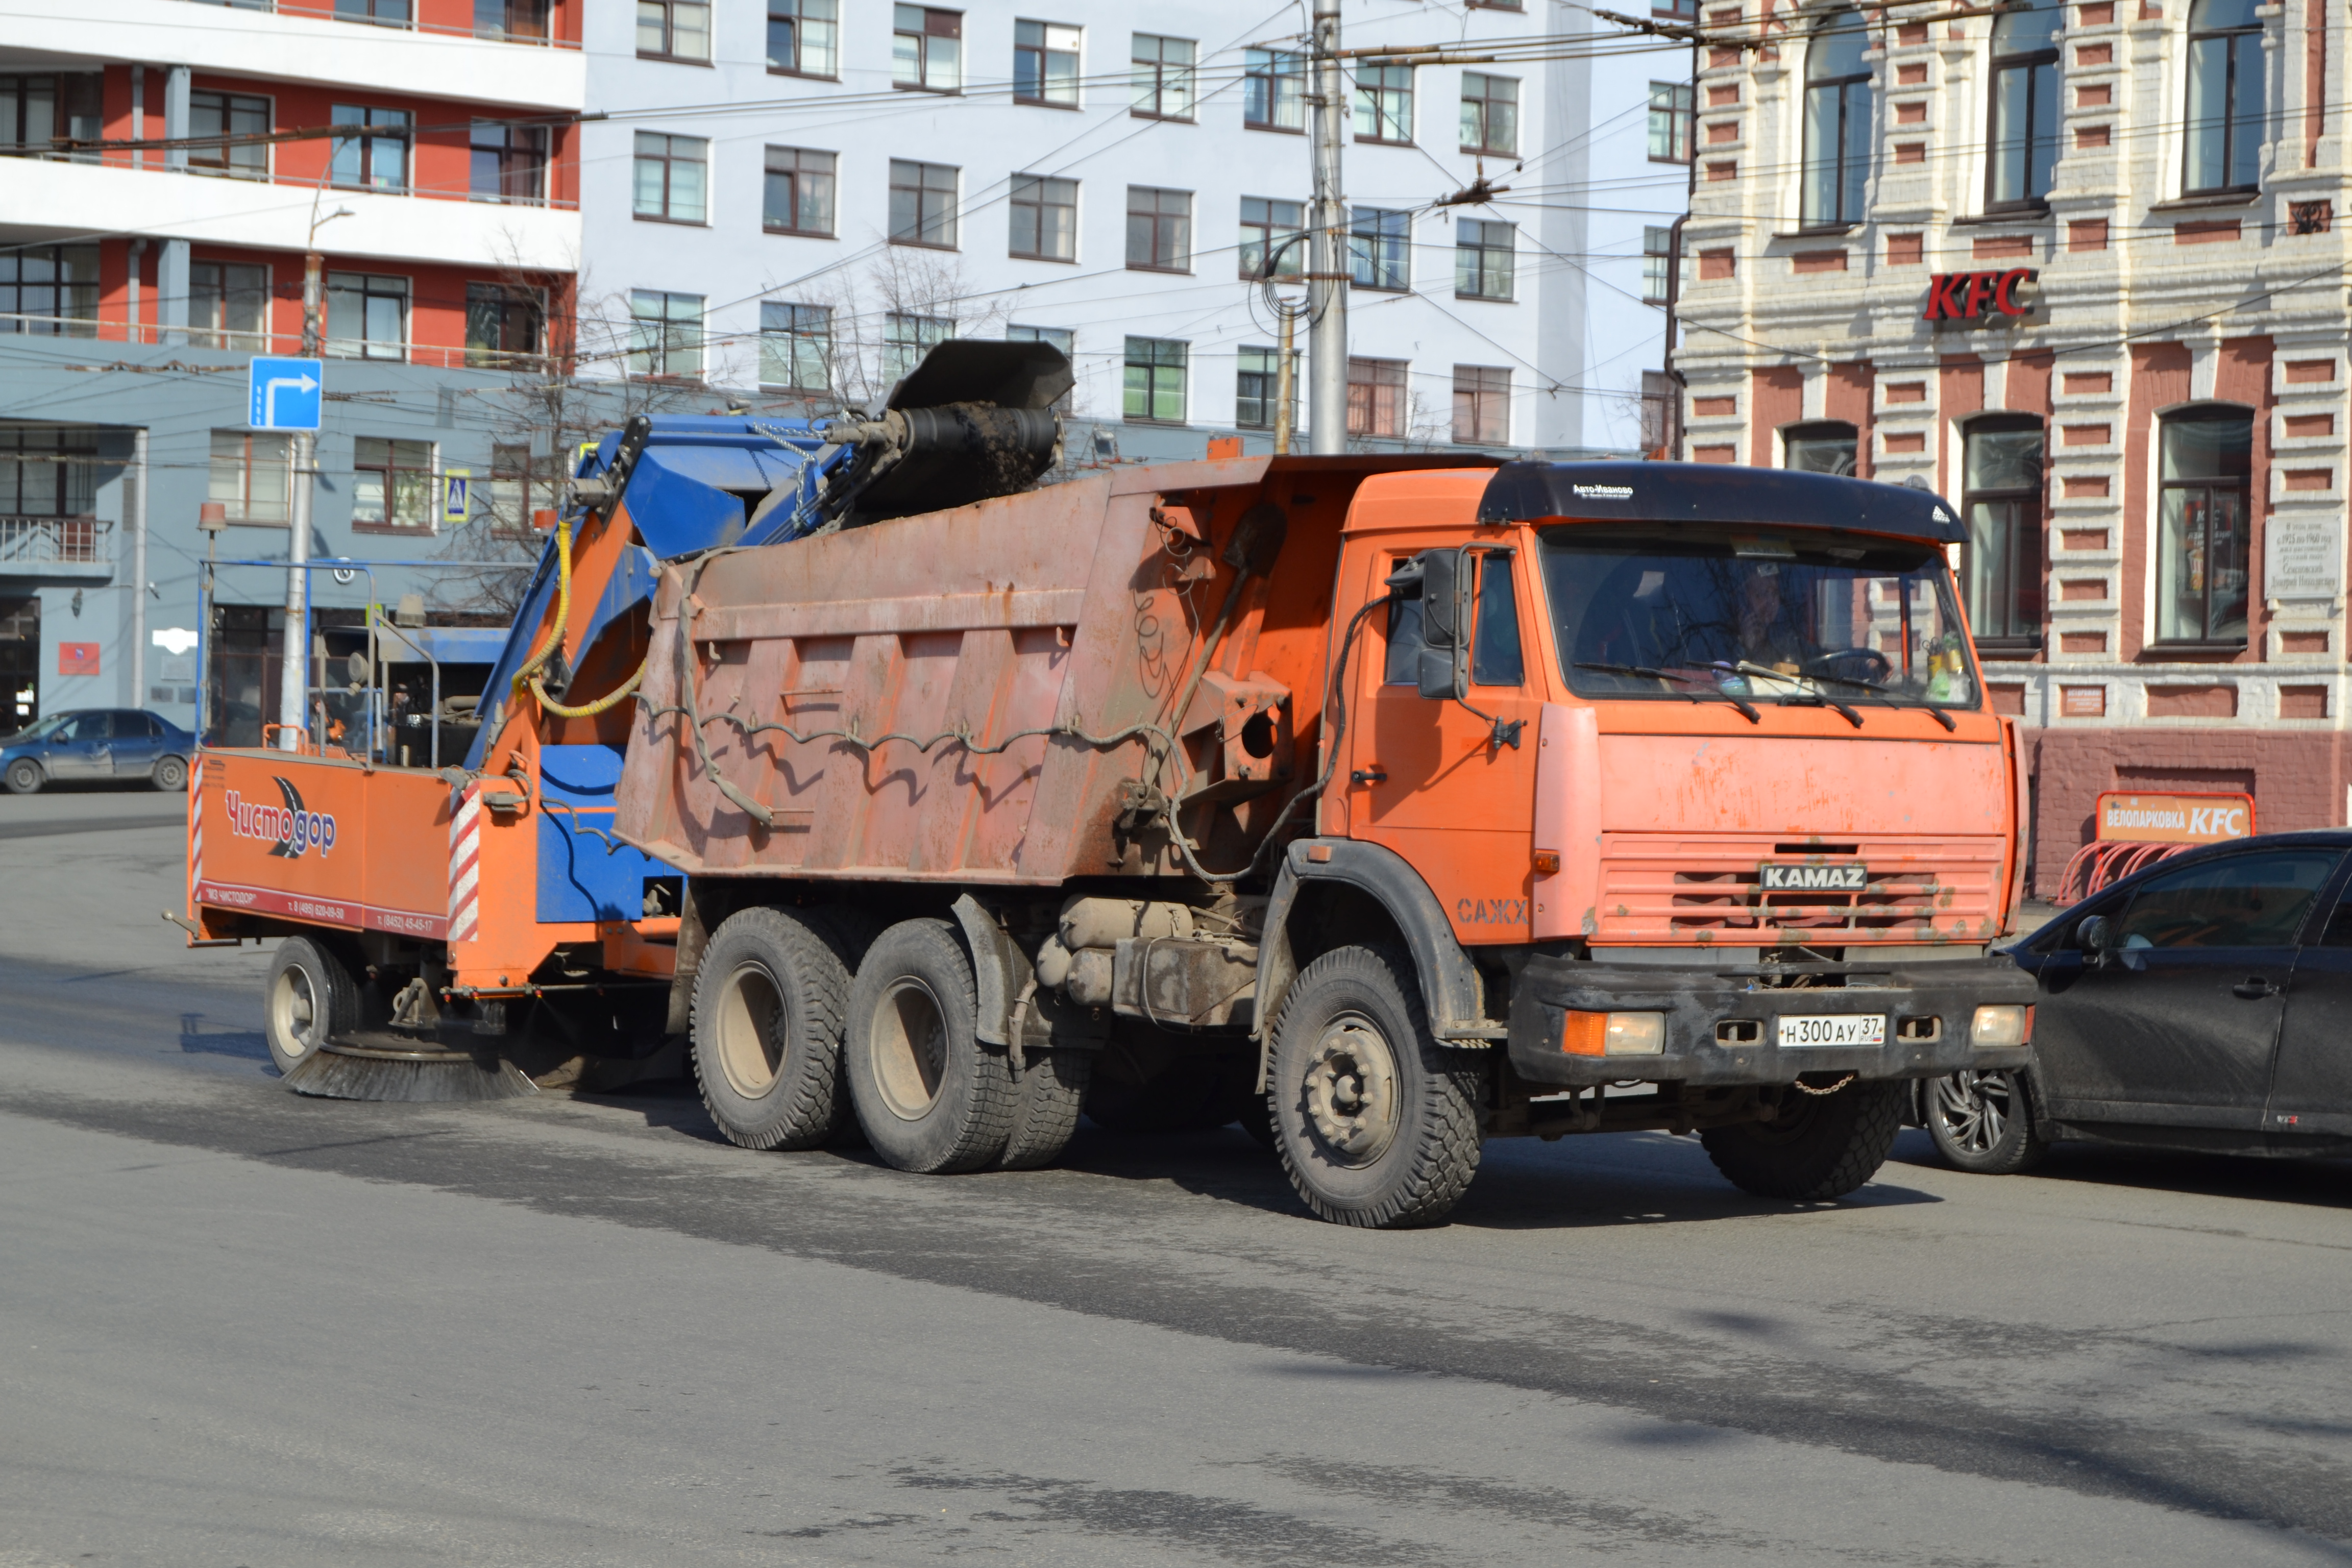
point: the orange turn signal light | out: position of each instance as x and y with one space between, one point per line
1547 862
1584 1034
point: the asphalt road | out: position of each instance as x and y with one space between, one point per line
241 1328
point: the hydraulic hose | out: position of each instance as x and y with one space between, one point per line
529 675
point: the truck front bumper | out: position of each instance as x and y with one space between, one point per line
1722 1025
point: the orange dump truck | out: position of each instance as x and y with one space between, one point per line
1383 804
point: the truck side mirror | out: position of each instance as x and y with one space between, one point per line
1444 623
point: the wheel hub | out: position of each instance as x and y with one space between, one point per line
1350 1091
750 1031
909 1049
1974 1108
295 1012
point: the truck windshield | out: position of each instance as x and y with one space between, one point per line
1796 617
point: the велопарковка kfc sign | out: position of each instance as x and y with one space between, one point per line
1977 296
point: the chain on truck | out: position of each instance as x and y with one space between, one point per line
1385 804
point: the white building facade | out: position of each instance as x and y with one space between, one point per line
794 199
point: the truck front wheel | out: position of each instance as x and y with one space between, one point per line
1820 1146
1377 1123
310 997
930 1097
768 1000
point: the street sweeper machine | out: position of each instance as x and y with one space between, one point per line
1384 803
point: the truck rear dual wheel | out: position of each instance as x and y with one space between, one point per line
309 998
1377 1123
1821 1146
769 999
929 1095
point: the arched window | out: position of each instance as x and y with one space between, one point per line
1837 122
1824 447
2000 566
2024 141
2202 519
2225 96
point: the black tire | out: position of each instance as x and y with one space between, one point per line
1821 1146
768 1000
25 777
1983 1121
930 1097
309 998
170 774
1046 1094
1377 1123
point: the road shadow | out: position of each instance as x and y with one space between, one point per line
1607 1180
2324 1182
199 1036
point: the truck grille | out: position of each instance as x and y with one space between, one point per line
1663 887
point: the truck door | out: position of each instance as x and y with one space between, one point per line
1432 780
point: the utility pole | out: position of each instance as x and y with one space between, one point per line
294 684
1327 277
1283 388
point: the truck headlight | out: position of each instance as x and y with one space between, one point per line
1614 1034
2002 1026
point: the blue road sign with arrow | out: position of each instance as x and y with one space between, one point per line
284 393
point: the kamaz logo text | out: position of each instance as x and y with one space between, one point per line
289 829
1851 878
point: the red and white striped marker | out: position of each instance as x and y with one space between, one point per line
465 866
195 829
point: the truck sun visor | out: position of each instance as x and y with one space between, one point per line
1710 492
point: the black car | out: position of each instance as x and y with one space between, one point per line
2205 1004
93 745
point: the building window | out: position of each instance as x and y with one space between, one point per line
1677 10
1256 387
508 163
799 195
392 486
804 38
1837 122
797 347
1045 213
2001 565
1825 447
1265 224
1158 229
2024 143
36 110
367 316
374 156
905 338
1482 405
502 321
1483 252
1045 63
927 50
228 305
1273 91
47 472
252 475
1657 264
1379 241
1490 114
1163 77
1671 108
922 204
383 13
666 334
2203 523
525 19
1383 103
229 114
49 290
673 29
1376 396
1155 380
673 181
2225 96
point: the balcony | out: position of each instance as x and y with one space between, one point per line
41 550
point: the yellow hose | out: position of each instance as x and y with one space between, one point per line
529 674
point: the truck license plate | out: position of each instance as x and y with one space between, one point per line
1835 1029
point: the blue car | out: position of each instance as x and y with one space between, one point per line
122 745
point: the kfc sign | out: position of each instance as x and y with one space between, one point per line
1979 296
